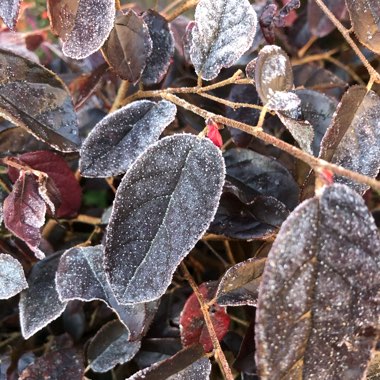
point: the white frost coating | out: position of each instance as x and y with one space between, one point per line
163 206
12 278
282 101
199 370
121 137
93 23
9 11
223 32
275 65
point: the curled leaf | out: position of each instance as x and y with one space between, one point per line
163 205
111 346
34 98
121 137
12 278
318 308
365 20
223 32
83 25
128 46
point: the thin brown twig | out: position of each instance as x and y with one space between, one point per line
218 352
346 68
182 9
120 96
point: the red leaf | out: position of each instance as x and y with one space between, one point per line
24 211
193 327
213 133
58 170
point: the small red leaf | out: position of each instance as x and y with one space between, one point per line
213 133
57 170
193 327
24 211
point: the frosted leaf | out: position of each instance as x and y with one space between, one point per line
223 32
353 139
187 364
40 304
116 142
82 26
163 48
282 100
111 346
240 284
273 72
81 276
34 98
163 205
318 308
365 18
128 46
24 211
12 278
9 12
301 130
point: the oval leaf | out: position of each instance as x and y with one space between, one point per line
128 46
365 20
9 12
240 284
223 32
273 72
40 304
12 278
34 98
116 142
163 205
162 50
318 308
111 346
81 276
83 25
353 140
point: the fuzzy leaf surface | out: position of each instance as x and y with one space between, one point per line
57 169
163 205
224 30
111 346
83 25
158 62
9 12
116 142
12 277
128 46
81 276
353 139
34 98
318 308
273 72
40 304
240 284
365 18
24 211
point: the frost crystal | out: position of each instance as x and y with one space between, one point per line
9 11
223 32
282 100
12 278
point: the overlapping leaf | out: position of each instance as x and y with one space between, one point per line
365 20
128 46
12 278
353 139
240 284
158 62
34 98
163 205
318 307
40 304
83 25
223 32
111 346
80 275
116 142
24 211
9 11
